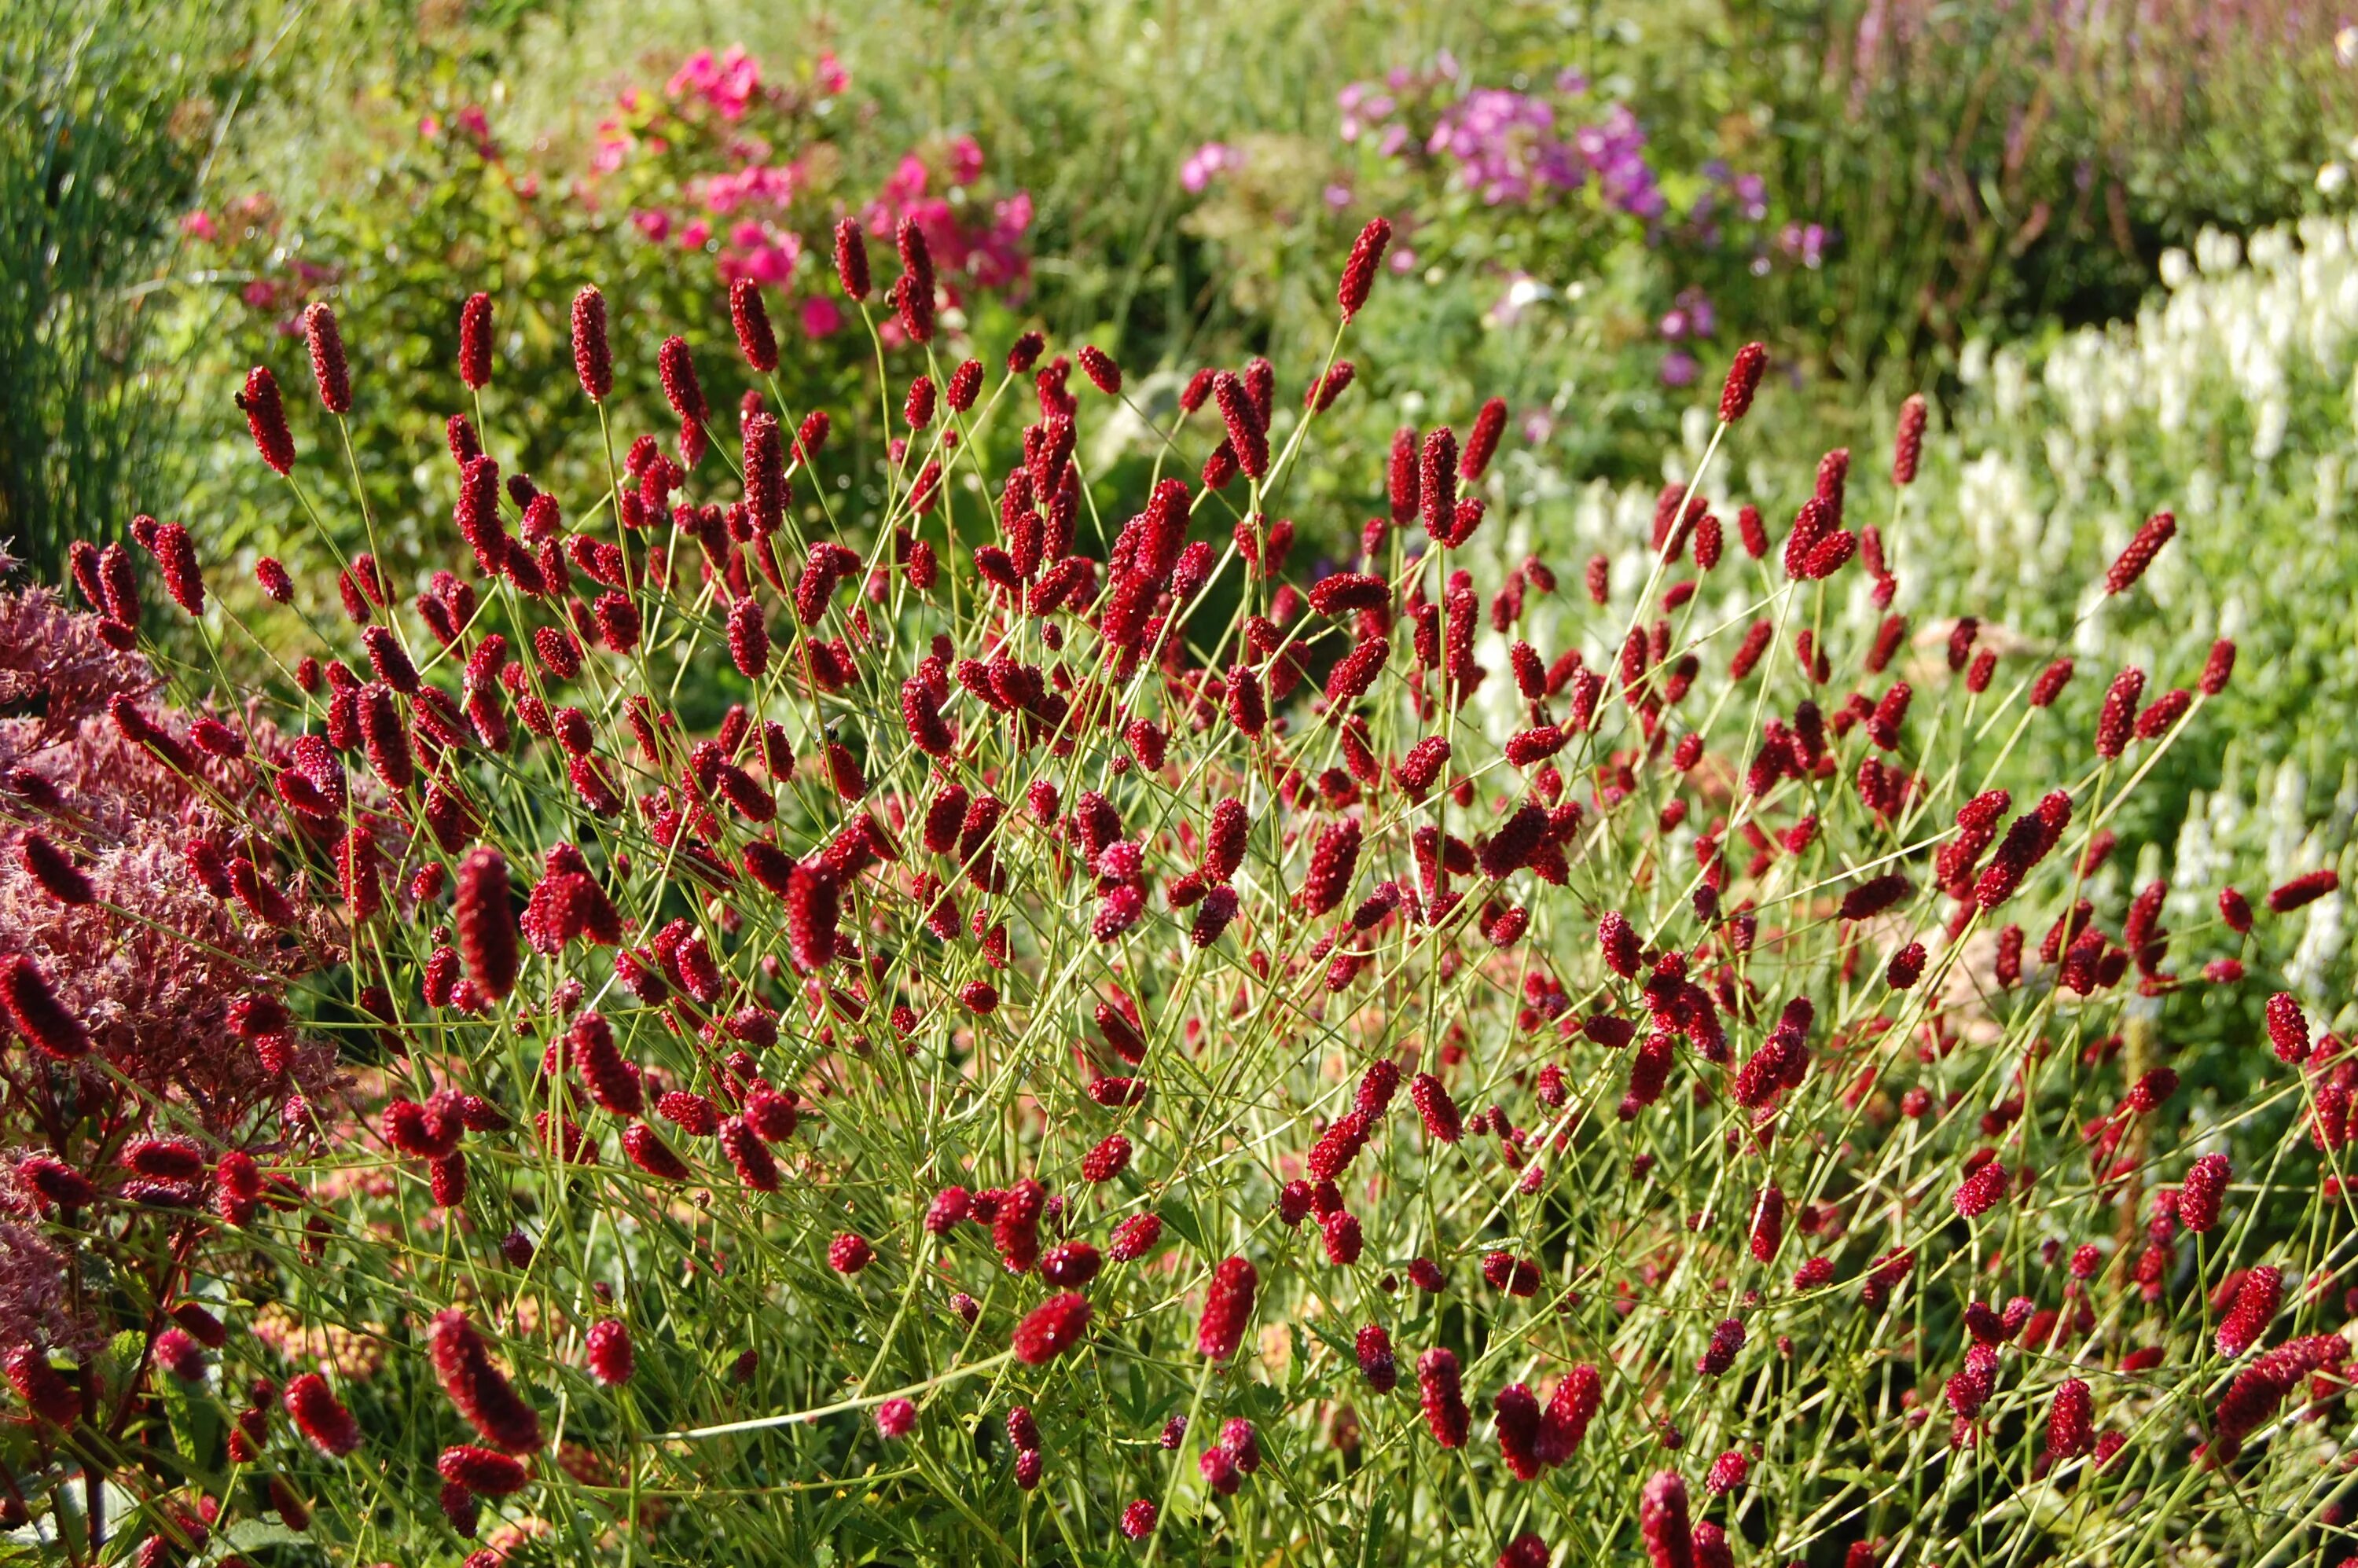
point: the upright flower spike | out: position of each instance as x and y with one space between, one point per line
2199 1194
912 296
266 417
1442 1398
1482 441
1908 445
2130 564
330 371
764 466
1227 1309
486 922
1743 381
480 1390
2258 1298
36 1011
1359 279
750 319
321 1417
1050 1329
475 341
681 389
2288 1028
1099 367
851 259
593 360
1248 433
2071 1422
1662 1522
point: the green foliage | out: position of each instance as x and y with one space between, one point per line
110 115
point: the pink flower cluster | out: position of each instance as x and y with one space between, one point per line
726 163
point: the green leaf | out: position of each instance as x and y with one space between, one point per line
1181 1217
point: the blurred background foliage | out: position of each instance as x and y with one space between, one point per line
1595 204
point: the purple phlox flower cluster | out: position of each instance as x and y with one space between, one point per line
1689 316
1207 164
1803 243
1510 146
1506 146
1616 149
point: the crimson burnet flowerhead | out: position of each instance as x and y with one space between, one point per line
851 259
607 1350
2199 1194
1376 1364
1526 1550
1980 1191
593 360
1099 367
475 341
1434 1105
2303 891
750 319
321 1417
330 371
1022 1430
33 1009
1135 1238
486 922
483 1472
1358 278
1908 444
2138 554
2257 1298
1440 1392
1053 1327
1663 1523
265 419
2217 668
1743 380
2288 1028
1228 1308
481 1391
2071 1421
